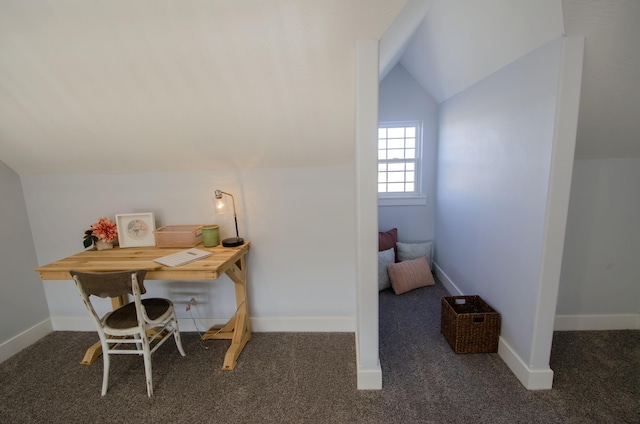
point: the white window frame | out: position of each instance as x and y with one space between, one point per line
416 197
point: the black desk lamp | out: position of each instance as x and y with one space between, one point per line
222 207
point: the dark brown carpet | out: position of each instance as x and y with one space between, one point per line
311 378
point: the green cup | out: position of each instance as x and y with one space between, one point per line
210 235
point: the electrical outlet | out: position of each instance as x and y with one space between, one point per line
191 302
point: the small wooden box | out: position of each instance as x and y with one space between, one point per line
469 324
178 235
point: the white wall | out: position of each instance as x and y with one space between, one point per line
301 268
365 219
495 160
600 280
403 99
24 316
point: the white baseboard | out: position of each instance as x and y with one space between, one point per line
446 281
72 323
24 339
258 325
304 324
369 379
531 379
597 322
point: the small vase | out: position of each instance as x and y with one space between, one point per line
103 245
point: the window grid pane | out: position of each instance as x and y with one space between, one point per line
395 188
397 159
395 154
396 177
395 144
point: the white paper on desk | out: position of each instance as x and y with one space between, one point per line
184 257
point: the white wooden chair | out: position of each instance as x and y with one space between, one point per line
138 327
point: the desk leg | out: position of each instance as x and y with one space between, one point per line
238 329
93 353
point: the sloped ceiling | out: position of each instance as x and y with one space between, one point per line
609 120
126 86
460 42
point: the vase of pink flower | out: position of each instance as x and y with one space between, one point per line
102 234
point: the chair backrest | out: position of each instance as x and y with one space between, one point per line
138 289
109 284
105 284
112 284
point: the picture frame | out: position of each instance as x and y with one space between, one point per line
136 229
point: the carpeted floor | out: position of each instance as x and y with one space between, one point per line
311 378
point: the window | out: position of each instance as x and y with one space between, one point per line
399 157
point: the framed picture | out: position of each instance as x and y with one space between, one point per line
136 229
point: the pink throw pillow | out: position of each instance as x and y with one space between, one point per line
408 275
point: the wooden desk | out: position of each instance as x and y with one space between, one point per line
225 260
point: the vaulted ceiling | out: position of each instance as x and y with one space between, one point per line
459 42
124 86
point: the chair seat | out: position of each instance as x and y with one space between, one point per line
125 316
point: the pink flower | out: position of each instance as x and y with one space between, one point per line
105 229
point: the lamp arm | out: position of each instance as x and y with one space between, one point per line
233 202
235 215
237 234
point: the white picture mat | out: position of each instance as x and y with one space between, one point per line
136 229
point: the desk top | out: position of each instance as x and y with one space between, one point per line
118 259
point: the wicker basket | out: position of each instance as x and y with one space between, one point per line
469 324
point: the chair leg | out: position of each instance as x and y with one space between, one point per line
147 364
176 336
138 343
105 366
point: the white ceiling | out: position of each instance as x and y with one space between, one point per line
463 41
126 86
460 42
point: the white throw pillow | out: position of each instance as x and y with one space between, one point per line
385 258
408 251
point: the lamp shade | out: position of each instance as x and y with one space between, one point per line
222 207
